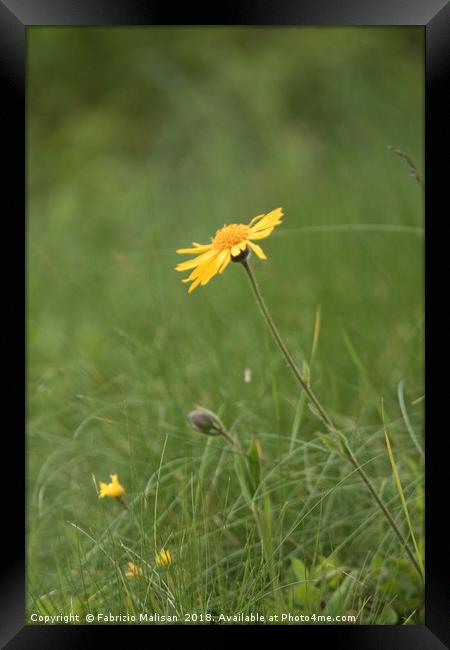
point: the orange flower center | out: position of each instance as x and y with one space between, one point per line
230 235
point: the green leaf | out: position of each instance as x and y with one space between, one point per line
254 457
328 569
388 615
330 442
300 570
376 564
242 472
306 596
399 486
341 596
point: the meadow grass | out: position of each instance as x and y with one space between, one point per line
140 141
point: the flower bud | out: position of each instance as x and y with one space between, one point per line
206 421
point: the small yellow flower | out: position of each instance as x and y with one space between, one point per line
163 558
113 489
134 570
229 242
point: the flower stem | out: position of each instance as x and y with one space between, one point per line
321 413
226 435
272 327
351 457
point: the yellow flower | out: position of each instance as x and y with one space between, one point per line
229 242
163 558
134 570
113 489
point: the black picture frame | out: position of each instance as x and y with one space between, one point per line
15 17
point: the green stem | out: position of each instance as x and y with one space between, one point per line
285 352
322 414
226 435
351 457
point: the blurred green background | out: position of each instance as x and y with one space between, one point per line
142 140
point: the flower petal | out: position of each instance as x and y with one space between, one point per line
258 250
199 270
199 248
272 218
190 264
262 234
194 285
208 273
203 273
222 257
226 261
255 219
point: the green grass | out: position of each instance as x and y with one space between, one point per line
139 142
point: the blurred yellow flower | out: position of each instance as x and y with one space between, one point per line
163 558
113 489
229 242
134 570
